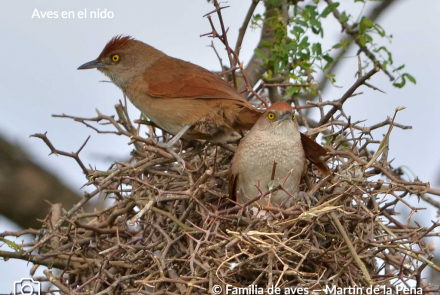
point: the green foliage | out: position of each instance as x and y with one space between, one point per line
329 9
327 141
295 57
401 80
275 3
11 245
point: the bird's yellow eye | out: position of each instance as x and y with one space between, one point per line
115 58
293 116
271 116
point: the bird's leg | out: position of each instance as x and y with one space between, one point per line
176 137
169 145
306 198
269 199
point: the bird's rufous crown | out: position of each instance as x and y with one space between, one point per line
116 43
281 106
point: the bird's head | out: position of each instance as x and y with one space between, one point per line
122 59
279 118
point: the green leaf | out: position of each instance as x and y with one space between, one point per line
276 67
260 53
315 23
275 3
266 44
329 60
304 54
331 77
316 48
343 43
399 68
365 24
362 41
368 38
11 245
401 83
293 76
410 78
329 9
390 56
305 65
297 31
343 18
291 90
315 30
282 65
302 23
304 42
292 47
379 30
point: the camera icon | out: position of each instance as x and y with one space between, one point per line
26 286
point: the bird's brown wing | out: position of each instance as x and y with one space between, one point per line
233 178
174 78
247 118
314 152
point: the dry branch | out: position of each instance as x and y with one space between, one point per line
175 231
178 231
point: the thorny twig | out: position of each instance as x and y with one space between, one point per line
171 233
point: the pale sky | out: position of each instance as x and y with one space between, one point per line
38 78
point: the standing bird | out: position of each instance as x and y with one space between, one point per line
275 138
181 98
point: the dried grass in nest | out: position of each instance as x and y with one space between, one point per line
175 231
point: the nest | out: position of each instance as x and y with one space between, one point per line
172 229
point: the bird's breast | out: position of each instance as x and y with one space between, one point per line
255 164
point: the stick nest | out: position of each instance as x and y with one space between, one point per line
172 229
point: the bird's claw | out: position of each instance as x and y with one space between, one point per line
167 147
306 198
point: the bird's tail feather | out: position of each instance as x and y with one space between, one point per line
314 153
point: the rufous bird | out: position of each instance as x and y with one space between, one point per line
181 98
275 138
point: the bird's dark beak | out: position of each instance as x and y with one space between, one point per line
94 64
286 115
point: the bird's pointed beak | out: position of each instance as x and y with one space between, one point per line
94 64
286 115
